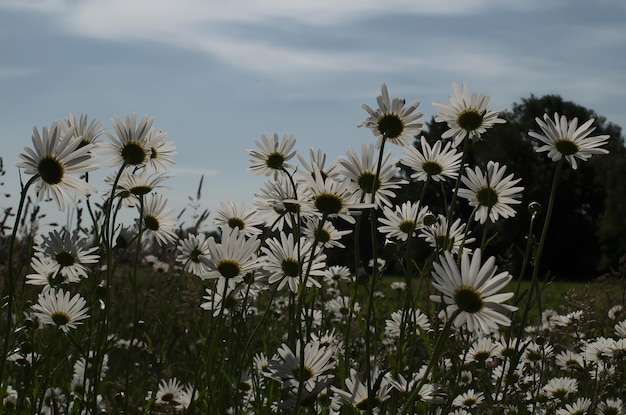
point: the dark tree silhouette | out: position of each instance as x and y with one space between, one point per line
588 225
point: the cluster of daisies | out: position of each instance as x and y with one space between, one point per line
328 352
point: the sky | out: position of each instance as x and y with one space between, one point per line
217 74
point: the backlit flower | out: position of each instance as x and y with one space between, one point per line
287 261
68 253
55 159
491 192
272 155
473 290
58 308
157 223
238 216
563 138
392 121
133 144
363 179
232 258
403 221
441 238
466 117
189 251
434 162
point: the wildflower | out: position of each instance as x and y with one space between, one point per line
169 392
272 155
472 290
59 309
68 254
339 307
569 360
9 400
330 197
469 399
611 407
132 185
434 162
357 391
80 130
157 224
392 121
407 386
286 261
278 203
335 273
483 350
133 143
189 251
404 221
53 160
46 272
318 159
615 311
466 117
231 259
491 192
441 238
325 232
597 349
242 217
563 138
579 407
410 320
560 387
288 368
160 150
620 329
362 177
223 299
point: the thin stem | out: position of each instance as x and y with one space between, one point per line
10 280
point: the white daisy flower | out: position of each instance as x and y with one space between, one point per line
232 258
469 399
473 290
46 273
57 308
272 155
286 261
434 162
466 117
361 173
169 392
327 235
330 197
131 185
318 159
392 121
157 223
68 253
560 387
403 221
189 251
133 144
403 320
240 216
289 369
563 138
441 238
278 205
86 133
161 151
491 192
356 393
53 161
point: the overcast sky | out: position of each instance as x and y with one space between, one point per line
217 74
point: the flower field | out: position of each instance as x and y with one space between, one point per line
312 299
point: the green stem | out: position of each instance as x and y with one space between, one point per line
10 282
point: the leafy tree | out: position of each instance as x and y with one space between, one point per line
588 223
